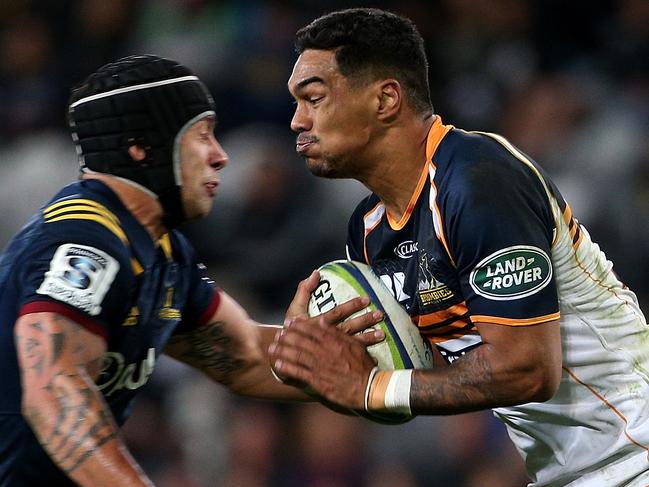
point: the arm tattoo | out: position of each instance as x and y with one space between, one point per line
210 349
68 415
57 345
462 387
101 432
33 352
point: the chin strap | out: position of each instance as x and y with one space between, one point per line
171 202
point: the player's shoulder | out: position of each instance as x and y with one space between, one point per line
461 149
477 161
82 215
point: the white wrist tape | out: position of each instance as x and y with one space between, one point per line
389 390
397 394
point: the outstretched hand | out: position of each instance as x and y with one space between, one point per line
338 316
299 306
312 352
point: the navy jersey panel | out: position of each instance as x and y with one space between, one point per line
201 299
86 257
499 226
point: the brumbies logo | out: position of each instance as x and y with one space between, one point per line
405 250
512 273
80 276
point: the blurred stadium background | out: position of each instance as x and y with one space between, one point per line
568 82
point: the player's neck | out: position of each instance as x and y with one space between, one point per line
144 206
397 165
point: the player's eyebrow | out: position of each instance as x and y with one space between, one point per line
307 81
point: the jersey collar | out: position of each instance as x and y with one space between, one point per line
435 135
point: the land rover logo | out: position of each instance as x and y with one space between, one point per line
406 249
512 273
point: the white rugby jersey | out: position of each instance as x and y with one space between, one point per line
487 237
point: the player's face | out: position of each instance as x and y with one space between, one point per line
333 118
201 158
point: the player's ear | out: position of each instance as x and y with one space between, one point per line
136 152
390 96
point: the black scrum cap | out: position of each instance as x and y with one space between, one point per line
145 100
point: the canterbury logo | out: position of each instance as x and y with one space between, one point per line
84 209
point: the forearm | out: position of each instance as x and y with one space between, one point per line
233 349
254 377
77 430
234 356
482 379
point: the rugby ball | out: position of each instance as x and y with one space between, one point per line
403 347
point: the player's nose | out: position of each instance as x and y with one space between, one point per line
218 157
301 122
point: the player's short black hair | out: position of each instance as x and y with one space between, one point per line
370 44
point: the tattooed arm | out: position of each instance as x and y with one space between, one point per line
59 361
514 365
232 349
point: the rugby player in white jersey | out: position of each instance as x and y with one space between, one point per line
483 252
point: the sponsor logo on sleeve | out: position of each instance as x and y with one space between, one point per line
512 273
79 276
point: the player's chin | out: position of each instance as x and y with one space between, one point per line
197 211
321 168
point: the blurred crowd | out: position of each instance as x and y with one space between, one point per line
567 82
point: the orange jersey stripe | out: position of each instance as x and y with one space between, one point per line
610 406
515 322
453 328
455 311
437 132
398 225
